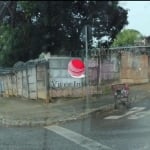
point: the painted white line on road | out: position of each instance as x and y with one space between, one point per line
136 116
131 111
139 115
78 138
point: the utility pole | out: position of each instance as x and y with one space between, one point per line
86 62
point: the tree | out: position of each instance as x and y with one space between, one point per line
127 37
55 26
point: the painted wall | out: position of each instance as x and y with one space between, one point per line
134 68
61 83
41 79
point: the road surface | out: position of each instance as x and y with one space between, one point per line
117 130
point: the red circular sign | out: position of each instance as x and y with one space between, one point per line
76 68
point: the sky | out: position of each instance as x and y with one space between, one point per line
138 16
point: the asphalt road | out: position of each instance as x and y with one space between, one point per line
118 130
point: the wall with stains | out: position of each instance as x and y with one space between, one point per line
46 79
134 68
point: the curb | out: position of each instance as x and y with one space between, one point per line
46 122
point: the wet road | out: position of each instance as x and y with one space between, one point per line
117 130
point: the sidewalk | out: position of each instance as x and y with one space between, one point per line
23 112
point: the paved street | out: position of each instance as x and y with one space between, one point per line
129 130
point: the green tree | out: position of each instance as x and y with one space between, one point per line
31 27
127 37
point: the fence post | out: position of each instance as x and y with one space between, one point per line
12 87
27 78
22 83
16 75
98 70
47 81
36 82
7 85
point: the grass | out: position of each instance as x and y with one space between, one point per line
106 89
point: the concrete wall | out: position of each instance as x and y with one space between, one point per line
61 83
31 79
41 79
134 68
28 81
1 86
108 69
41 73
19 83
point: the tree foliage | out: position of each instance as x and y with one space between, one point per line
127 37
31 27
